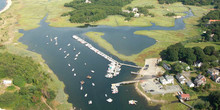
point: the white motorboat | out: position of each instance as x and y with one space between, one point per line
93 84
81 88
90 102
75 58
64 51
74 74
85 95
106 95
74 48
92 71
60 48
73 69
68 44
109 100
69 65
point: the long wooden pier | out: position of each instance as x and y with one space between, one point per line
101 53
126 82
130 65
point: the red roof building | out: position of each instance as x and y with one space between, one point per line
184 96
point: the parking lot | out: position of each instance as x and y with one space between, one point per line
155 87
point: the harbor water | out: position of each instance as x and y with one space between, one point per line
41 40
3 3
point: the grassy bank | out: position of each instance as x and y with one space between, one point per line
96 37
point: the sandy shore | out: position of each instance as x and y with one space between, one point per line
9 2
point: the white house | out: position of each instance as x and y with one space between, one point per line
181 78
167 79
190 84
163 80
198 64
87 1
136 15
7 82
135 10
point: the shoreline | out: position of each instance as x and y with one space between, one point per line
9 2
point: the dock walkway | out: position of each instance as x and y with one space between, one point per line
101 53
126 82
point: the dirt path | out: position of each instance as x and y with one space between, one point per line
45 102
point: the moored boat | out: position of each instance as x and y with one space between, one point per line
82 82
109 100
132 102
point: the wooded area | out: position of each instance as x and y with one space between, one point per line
178 52
97 10
212 28
27 75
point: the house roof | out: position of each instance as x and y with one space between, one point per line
189 82
185 96
168 77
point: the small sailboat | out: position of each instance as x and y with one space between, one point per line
67 54
65 57
109 100
69 65
51 39
84 63
85 95
73 69
106 95
68 44
93 84
90 102
75 58
64 51
81 88
60 48
92 71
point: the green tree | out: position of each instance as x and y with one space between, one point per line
8 99
201 105
209 50
177 68
214 99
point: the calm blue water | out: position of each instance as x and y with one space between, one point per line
130 44
2 4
